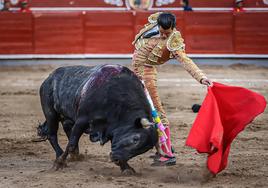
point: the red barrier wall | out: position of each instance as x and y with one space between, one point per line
251 33
254 3
112 32
226 3
101 3
209 3
58 33
70 3
208 32
108 32
16 33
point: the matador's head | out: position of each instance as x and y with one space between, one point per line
166 23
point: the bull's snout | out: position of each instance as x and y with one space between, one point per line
119 155
94 137
114 159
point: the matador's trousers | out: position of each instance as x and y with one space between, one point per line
149 75
150 81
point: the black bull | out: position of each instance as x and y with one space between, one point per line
107 102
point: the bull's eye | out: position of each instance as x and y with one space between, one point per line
135 139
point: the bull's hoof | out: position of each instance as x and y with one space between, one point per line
59 164
129 172
39 139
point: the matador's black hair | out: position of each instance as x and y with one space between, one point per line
166 20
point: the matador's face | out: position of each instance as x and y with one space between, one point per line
165 32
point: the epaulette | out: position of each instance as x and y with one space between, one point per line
175 42
152 19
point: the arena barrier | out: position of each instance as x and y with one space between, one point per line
81 33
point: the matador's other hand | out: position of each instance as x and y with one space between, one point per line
207 82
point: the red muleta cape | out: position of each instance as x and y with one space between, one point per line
224 113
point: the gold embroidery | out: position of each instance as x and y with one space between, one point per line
175 42
153 58
189 65
157 51
140 43
153 17
147 27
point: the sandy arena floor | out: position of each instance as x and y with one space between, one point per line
24 163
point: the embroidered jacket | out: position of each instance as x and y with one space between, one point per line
152 50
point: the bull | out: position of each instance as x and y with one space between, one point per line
107 102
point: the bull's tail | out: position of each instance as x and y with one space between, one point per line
42 132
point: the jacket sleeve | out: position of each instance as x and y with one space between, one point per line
176 46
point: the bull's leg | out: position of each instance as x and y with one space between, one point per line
53 125
125 168
52 119
78 129
67 127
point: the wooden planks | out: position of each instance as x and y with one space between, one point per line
208 32
16 33
108 32
70 3
112 32
251 33
58 33
217 4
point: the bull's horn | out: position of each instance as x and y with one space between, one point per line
146 123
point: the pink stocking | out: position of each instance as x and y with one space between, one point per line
168 142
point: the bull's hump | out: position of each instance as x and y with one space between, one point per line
99 75
112 67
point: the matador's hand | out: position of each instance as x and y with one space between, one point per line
207 82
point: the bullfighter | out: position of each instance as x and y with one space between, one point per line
156 43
